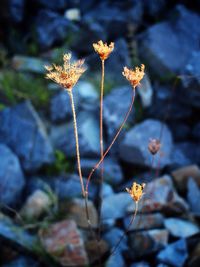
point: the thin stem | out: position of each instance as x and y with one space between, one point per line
127 230
77 142
113 141
101 145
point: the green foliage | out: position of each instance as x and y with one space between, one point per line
16 87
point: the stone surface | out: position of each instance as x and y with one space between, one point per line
190 150
53 4
94 250
114 206
15 235
160 195
147 242
22 262
182 175
174 254
115 260
76 211
88 130
180 228
113 116
133 148
161 52
16 10
11 177
140 264
193 196
144 221
36 204
63 241
113 236
23 131
28 64
112 170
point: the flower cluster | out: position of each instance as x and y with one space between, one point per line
136 191
103 49
134 76
68 74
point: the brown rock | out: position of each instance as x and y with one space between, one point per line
76 211
96 249
63 241
181 176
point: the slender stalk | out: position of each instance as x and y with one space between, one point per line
113 141
77 142
126 231
101 144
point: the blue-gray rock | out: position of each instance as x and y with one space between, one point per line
88 130
180 228
114 206
16 8
22 262
115 260
116 105
144 221
180 131
52 28
161 52
147 242
193 196
140 264
190 152
28 64
179 158
11 177
23 131
134 147
174 254
154 8
85 98
53 4
113 236
112 170
15 235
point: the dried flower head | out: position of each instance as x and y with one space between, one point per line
134 76
136 191
103 49
154 146
66 75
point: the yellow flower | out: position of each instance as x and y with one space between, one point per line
103 49
136 191
68 74
134 76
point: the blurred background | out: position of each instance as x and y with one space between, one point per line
42 214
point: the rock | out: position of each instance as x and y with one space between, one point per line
180 131
147 242
85 98
114 206
16 10
16 236
22 262
190 151
63 241
161 196
133 148
174 254
115 260
154 8
113 116
144 221
67 187
51 28
88 130
140 264
95 251
11 177
113 236
77 212
179 159
182 175
28 64
180 228
33 146
195 131
160 54
112 170
193 196
53 4
36 204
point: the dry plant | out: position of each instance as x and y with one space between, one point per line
67 76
